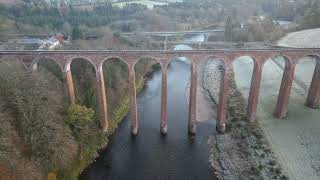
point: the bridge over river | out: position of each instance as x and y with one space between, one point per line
175 33
131 57
167 34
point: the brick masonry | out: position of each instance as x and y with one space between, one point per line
259 56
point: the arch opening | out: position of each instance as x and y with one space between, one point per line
212 72
117 89
143 68
49 66
84 81
148 68
241 77
272 74
179 80
304 72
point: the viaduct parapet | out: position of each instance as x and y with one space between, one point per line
130 58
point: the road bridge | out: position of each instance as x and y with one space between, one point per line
175 33
131 57
167 34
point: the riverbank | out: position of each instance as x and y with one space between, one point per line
205 111
242 152
100 141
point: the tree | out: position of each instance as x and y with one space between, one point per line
228 29
79 116
76 33
311 17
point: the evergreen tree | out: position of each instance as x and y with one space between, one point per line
76 33
228 29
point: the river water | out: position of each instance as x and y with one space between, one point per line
151 155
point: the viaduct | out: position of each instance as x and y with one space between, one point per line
259 56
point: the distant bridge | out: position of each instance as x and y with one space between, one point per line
131 57
167 34
175 33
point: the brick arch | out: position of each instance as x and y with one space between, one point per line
313 90
281 108
176 57
100 65
148 57
289 61
254 84
256 63
311 55
68 63
223 59
254 59
35 62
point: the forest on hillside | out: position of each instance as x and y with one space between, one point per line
40 133
45 18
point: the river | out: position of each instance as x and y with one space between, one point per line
151 155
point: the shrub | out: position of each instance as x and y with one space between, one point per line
79 116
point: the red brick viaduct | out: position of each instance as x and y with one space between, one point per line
259 56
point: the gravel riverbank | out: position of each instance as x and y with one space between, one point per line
243 152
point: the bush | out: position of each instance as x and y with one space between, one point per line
79 116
